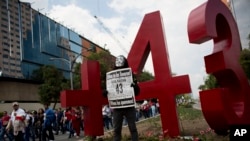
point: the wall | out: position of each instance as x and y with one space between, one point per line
18 91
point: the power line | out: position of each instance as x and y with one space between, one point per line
111 34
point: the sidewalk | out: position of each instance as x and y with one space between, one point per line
64 137
197 105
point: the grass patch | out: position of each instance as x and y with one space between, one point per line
188 113
192 124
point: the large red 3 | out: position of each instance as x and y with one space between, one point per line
229 104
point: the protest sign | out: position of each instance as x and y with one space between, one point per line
120 92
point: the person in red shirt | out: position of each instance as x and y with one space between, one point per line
5 120
76 121
68 121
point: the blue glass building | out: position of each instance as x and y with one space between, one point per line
29 39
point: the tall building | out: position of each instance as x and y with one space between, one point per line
29 39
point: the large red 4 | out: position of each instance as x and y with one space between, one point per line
165 87
229 104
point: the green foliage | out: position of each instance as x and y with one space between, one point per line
37 75
77 76
210 83
1 114
145 76
106 61
245 61
188 113
53 82
185 100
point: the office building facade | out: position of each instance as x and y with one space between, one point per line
29 40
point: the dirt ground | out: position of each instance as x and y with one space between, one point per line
188 128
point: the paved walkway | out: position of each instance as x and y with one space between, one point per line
64 137
197 105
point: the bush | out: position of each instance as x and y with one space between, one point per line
1 114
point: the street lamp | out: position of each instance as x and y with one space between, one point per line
71 63
70 68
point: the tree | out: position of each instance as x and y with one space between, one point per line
77 76
209 83
53 82
245 61
106 61
145 76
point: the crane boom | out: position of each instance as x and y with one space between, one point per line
111 34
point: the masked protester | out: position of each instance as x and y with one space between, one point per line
129 112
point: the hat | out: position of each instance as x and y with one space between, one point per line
15 103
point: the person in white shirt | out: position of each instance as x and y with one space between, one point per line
17 122
106 113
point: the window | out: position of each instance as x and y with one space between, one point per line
5 56
7 50
3 25
12 64
4 13
4 19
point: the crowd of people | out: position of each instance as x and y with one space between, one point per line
42 124
144 110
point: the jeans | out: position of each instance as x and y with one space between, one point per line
130 115
3 132
27 134
71 130
33 133
106 121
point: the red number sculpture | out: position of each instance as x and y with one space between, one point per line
229 104
165 87
90 97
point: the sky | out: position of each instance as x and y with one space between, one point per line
118 22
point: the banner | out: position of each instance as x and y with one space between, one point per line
120 92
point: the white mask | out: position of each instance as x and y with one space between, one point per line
120 61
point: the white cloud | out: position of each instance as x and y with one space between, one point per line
38 4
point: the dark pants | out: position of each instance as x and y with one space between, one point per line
106 121
59 126
39 132
44 133
19 136
33 133
130 115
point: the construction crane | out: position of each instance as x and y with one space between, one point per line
111 34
